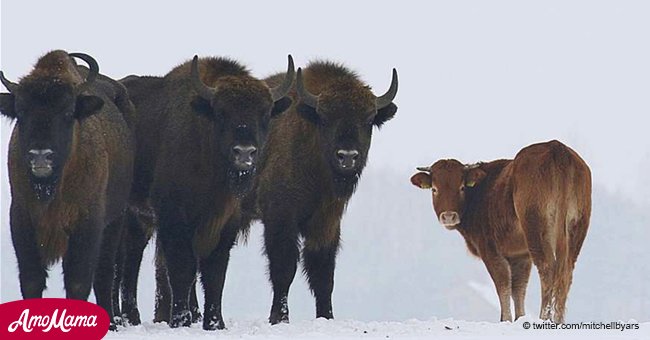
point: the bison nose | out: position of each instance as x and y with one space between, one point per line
40 161
449 219
244 156
347 158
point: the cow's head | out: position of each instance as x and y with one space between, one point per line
241 108
345 112
451 184
47 105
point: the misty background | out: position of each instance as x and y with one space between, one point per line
478 81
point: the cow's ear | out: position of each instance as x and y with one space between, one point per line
385 114
87 106
7 107
474 177
421 180
308 112
202 107
280 106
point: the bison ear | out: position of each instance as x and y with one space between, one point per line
474 177
309 113
385 114
7 107
202 107
87 106
421 180
280 106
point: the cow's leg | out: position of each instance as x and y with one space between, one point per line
105 272
499 270
213 275
136 242
543 256
32 273
176 240
319 263
281 245
520 271
163 299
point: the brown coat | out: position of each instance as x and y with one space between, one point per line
509 211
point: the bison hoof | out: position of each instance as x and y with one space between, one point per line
181 319
112 327
196 316
213 325
132 318
277 318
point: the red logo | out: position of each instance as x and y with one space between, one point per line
52 319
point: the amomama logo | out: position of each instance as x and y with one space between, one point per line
52 319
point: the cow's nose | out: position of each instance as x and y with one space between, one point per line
449 218
41 162
347 158
244 156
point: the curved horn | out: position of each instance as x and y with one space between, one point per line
11 86
92 72
203 90
388 97
305 95
424 168
281 90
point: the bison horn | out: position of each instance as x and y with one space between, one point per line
92 72
203 90
306 97
11 86
388 97
424 168
281 90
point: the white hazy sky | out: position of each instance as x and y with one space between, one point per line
478 80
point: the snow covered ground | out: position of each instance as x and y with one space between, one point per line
350 329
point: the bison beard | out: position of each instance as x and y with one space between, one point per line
240 182
44 188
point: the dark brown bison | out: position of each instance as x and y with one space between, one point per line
199 133
70 170
509 211
313 159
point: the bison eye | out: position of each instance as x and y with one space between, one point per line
434 190
462 188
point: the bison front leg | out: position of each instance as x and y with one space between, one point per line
105 272
281 245
319 262
176 241
213 275
32 272
499 270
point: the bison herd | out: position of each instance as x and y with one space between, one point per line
97 165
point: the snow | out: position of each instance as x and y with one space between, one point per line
351 329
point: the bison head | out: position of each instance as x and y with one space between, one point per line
46 109
345 112
451 185
241 108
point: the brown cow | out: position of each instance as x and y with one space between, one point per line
509 211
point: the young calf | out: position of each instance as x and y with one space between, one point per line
509 211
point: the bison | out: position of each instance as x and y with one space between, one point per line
70 171
313 160
509 211
200 131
